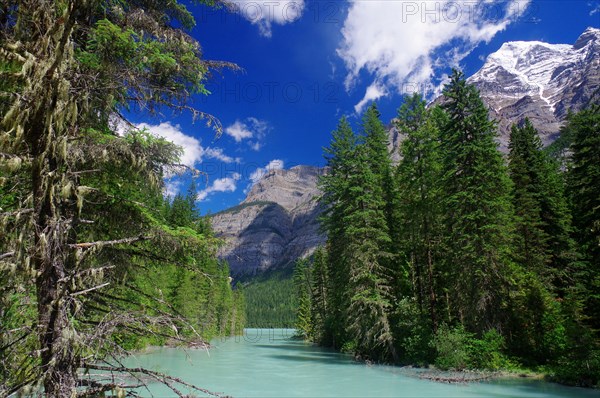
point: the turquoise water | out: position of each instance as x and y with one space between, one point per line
267 363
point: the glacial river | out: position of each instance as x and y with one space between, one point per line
268 363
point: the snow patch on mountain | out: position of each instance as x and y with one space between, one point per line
540 80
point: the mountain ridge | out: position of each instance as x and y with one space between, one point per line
541 81
275 224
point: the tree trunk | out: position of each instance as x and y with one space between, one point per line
53 221
51 254
432 296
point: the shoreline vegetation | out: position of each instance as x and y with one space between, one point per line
458 256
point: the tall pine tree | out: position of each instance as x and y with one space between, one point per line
320 293
525 167
477 209
418 175
543 223
366 239
336 193
584 191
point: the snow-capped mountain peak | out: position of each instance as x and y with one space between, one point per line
540 80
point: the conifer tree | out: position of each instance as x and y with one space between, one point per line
543 224
303 284
68 69
376 141
418 175
584 191
525 166
336 195
320 293
367 242
477 209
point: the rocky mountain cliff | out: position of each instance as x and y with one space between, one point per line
541 81
276 223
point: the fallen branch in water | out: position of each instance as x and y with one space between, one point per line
451 376
457 377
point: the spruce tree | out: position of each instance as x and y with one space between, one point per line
367 241
303 284
543 223
69 68
320 293
418 175
376 141
336 194
584 192
477 209
525 167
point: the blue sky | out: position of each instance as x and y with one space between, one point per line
306 63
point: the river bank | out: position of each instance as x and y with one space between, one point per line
268 363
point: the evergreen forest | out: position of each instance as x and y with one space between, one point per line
459 256
270 300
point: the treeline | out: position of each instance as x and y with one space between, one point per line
270 300
197 287
457 256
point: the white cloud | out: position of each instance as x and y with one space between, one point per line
217 153
226 184
252 129
595 8
404 44
373 93
255 146
193 151
275 164
172 188
238 131
265 13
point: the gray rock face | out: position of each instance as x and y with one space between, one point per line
276 223
540 81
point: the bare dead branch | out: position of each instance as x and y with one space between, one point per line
87 245
90 289
169 381
82 272
16 212
6 255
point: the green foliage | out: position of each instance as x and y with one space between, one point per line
477 209
578 371
488 352
303 284
349 347
270 301
320 294
453 348
336 194
418 209
579 362
458 349
457 258
414 334
543 241
584 191
90 265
